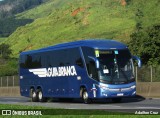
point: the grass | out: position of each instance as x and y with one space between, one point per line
69 113
54 22
2 39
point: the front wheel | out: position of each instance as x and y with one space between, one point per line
85 98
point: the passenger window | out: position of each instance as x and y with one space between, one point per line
79 62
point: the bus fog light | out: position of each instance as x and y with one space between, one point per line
134 93
104 94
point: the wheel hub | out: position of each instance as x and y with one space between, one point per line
85 95
40 95
34 94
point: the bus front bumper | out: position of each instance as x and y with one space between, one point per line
113 91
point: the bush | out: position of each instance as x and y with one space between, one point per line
5 51
146 44
10 67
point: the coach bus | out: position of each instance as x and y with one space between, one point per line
87 69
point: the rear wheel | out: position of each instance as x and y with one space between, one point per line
116 100
85 98
40 96
33 95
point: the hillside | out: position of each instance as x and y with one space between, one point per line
8 8
60 21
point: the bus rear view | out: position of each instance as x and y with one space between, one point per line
103 69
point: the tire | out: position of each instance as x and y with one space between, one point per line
40 96
116 100
85 98
33 95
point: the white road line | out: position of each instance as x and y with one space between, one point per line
148 107
109 106
71 108
10 98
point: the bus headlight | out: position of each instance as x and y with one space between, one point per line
133 87
103 87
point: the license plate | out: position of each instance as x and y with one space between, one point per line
120 94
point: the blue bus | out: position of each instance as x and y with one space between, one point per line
87 69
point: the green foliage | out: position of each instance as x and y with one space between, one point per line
2 39
9 25
8 67
55 22
139 15
5 51
146 44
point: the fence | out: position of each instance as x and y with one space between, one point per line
9 81
147 74
9 86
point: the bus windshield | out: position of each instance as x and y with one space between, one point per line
116 66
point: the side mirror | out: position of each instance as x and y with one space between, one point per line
138 61
95 60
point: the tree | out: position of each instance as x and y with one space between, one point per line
5 50
146 44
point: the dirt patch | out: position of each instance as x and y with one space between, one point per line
123 2
75 12
85 19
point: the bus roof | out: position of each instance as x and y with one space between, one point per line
93 43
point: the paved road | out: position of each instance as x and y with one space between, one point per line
127 103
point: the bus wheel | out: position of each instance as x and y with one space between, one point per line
33 95
85 97
116 100
40 96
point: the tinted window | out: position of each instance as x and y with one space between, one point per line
31 61
54 58
65 57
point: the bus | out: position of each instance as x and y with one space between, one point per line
87 69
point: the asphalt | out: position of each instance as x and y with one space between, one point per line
126 103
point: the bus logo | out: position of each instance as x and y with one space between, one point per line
55 71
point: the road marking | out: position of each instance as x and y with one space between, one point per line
12 98
72 108
148 107
109 106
